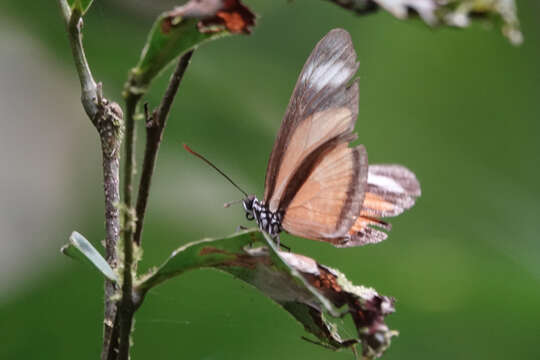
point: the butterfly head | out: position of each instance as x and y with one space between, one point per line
266 219
248 204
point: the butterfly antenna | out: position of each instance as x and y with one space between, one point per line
215 168
228 204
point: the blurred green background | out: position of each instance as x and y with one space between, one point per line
458 107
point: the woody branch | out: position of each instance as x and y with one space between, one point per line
107 118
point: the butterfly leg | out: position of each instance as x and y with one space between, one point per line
285 247
279 244
240 227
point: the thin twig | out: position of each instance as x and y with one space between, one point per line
126 307
126 311
109 125
107 118
132 101
112 351
155 125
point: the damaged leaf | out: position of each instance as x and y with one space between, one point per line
184 28
315 295
81 249
457 13
365 306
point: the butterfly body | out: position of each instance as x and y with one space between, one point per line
267 220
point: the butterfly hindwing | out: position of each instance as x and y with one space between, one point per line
391 189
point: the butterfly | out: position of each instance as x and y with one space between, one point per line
317 186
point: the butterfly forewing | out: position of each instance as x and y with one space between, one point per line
321 115
312 138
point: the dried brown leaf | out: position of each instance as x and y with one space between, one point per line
215 15
366 307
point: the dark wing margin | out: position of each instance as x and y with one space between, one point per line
322 85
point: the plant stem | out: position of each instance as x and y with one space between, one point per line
112 351
155 125
132 101
73 20
129 171
107 118
132 233
126 307
126 311
110 127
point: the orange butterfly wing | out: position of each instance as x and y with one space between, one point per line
313 137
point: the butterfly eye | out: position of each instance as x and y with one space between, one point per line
248 207
248 204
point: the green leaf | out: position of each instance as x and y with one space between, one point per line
81 249
458 13
163 47
182 29
237 254
81 5
313 294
